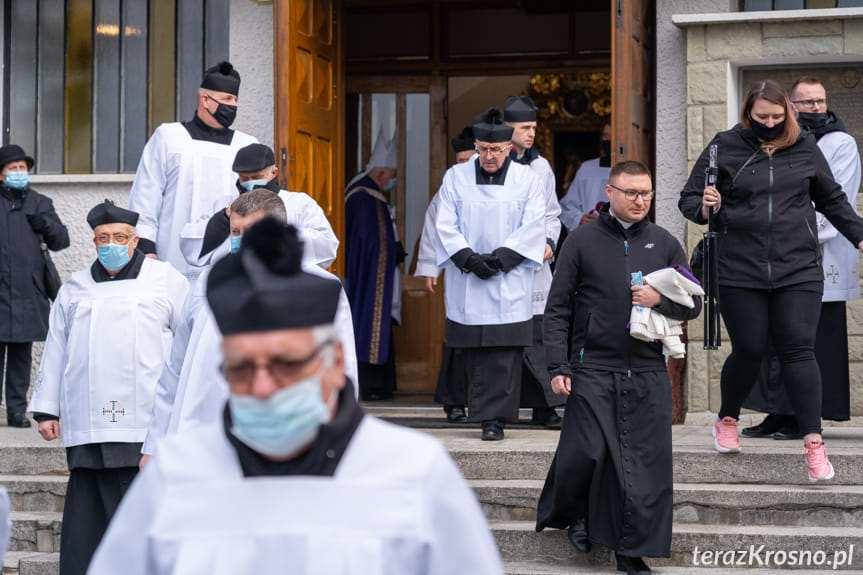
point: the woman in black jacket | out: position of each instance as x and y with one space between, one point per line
770 275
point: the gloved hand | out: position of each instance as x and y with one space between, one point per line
37 222
477 264
508 259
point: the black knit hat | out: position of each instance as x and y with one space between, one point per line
489 127
222 78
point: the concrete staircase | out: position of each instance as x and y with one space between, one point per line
721 502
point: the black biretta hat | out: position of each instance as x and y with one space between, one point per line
108 213
13 153
252 158
262 287
222 78
464 141
519 109
489 127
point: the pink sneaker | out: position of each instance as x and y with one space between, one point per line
725 435
820 468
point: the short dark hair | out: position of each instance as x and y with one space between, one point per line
260 200
630 167
804 80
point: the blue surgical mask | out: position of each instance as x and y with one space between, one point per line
235 243
283 423
252 184
114 256
17 180
391 186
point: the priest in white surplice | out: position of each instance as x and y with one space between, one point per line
185 170
191 390
491 225
294 478
109 334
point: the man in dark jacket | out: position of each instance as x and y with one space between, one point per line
27 219
611 481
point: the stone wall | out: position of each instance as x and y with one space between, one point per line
724 54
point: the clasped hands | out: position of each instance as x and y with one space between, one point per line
485 266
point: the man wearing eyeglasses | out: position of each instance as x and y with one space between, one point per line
491 226
841 279
294 478
610 481
108 338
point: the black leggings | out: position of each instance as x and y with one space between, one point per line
789 316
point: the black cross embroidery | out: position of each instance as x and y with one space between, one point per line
833 275
113 412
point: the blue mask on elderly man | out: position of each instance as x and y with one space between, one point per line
114 256
250 185
283 423
17 180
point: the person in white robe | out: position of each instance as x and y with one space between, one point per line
184 174
519 113
192 390
451 389
207 241
294 478
586 193
109 335
491 227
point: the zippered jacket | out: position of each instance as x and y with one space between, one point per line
767 225
590 300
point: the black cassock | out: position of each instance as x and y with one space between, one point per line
831 352
613 462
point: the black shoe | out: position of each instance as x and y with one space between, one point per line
632 565
547 417
578 535
492 431
769 426
456 414
18 420
790 430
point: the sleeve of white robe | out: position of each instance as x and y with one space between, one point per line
451 239
844 162
461 541
426 266
552 206
148 187
344 325
166 388
127 540
522 240
46 392
321 243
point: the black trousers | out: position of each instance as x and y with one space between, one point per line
493 382
92 497
451 389
790 317
535 380
18 357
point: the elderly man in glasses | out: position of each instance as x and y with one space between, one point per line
491 225
610 480
294 478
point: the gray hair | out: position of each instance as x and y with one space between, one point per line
260 200
322 334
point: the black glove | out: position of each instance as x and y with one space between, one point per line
469 261
508 258
37 222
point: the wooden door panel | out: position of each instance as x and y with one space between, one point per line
631 67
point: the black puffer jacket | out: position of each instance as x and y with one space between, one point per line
590 301
24 214
766 222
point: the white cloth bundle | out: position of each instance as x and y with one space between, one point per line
647 324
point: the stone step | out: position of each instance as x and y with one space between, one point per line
705 503
539 569
527 454
519 542
35 492
31 563
35 531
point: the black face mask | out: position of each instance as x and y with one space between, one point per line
811 120
224 114
763 132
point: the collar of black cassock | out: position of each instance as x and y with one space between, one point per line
263 287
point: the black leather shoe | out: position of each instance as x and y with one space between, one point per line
578 535
632 565
492 431
769 426
789 431
456 415
18 420
546 417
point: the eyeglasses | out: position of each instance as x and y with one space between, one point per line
121 239
821 102
282 369
488 150
631 195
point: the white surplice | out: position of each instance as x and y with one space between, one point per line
542 278
397 505
586 190
107 343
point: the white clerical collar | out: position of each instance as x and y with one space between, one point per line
625 225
